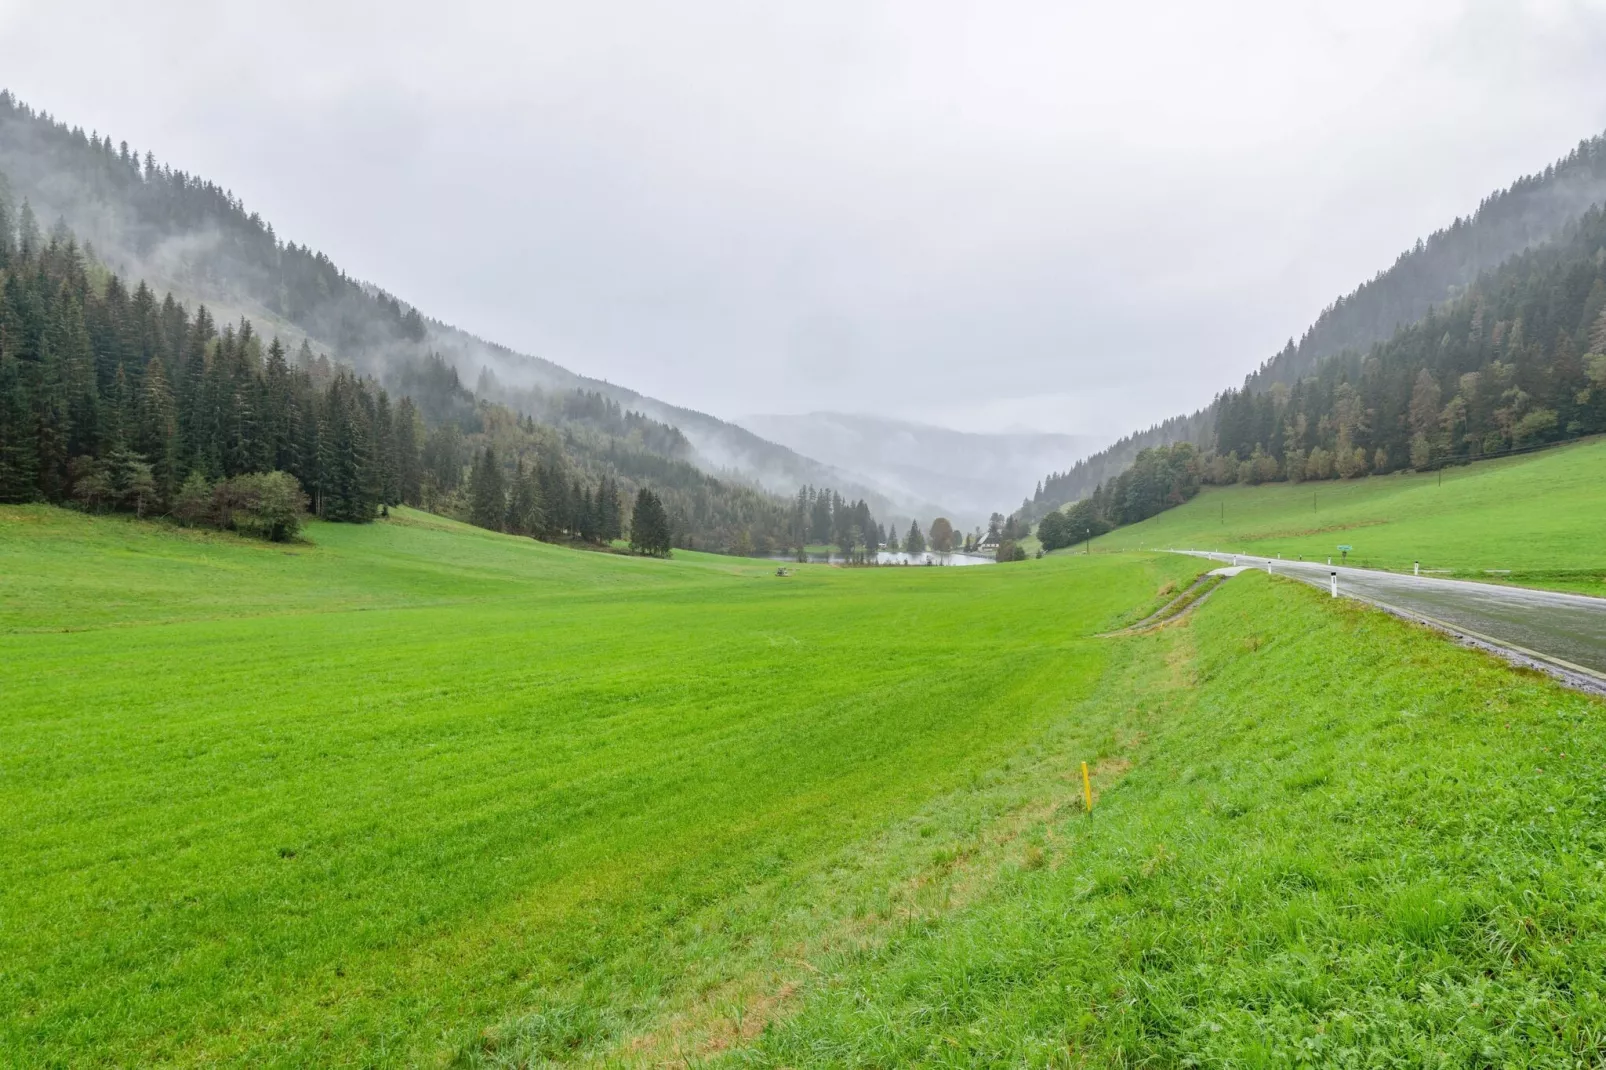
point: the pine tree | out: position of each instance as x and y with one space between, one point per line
156 430
386 475
404 442
649 525
348 491
8 245
487 492
524 513
1597 334
575 522
610 525
29 240
589 524
19 456
48 392
80 391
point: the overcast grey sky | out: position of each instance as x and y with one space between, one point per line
1051 215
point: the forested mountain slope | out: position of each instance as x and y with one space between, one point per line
113 399
1516 362
184 234
1534 210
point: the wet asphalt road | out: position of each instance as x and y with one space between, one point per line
1560 631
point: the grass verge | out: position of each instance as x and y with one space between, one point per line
1342 842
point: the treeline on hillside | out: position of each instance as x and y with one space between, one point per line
179 231
1084 476
538 501
1518 361
1535 209
136 209
1159 479
531 501
591 410
117 400
591 438
110 399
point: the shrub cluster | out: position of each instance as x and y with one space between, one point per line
264 505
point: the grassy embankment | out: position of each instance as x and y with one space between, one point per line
422 793
1341 841
417 792
1542 516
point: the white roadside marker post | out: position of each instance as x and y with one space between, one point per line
1417 569
1333 576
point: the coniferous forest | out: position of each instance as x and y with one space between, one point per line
1483 339
182 233
111 399
1516 361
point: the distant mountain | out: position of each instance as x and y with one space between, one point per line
1533 211
188 235
964 475
720 448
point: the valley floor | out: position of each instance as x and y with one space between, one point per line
417 793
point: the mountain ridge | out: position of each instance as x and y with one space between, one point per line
1532 211
194 238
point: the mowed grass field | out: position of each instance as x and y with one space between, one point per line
415 793
1541 515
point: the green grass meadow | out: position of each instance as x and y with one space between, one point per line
1542 516
378 797
415 794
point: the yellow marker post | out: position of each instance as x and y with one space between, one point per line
1087 789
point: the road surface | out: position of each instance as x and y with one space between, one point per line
1564 634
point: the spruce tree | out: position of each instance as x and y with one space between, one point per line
649 525
19 448
524 503
404 443
156 432
487 492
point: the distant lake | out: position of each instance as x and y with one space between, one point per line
885 558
